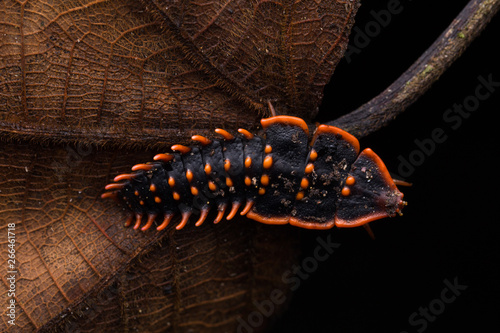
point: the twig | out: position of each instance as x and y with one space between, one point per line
413 83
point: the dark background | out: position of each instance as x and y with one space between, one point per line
450 229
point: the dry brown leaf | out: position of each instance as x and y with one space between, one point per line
80 79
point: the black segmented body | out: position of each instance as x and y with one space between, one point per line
278 178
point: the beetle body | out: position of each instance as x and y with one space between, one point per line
279 178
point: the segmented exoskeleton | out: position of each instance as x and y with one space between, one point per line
278 178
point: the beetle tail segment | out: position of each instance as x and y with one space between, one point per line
369 193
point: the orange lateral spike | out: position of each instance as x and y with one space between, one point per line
129 221
138 219
185 218
234 209
166 221
181 149
245 133
201 139
220 213
114 186
247 207
225 134
266 122
203 216
125 176
163 157
219 216
148 224
145 167
109 195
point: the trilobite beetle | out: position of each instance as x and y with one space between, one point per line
278 178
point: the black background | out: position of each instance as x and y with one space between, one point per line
450 229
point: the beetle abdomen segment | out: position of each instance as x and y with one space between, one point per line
332 153
282 169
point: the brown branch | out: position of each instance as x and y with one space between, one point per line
413 83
